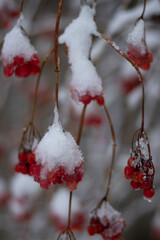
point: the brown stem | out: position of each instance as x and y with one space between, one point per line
78 142
37 84
56 47
69 209
21 7
144 8
113 150
81 124
113 45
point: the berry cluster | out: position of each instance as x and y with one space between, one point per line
87 97
109 225
142 60
57 176
141 173
140 169
20 67
26 159
137 47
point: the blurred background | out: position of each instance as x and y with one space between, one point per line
27 212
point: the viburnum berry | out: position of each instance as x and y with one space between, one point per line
137 48
58 158
26 156
18 55
140 168
107 222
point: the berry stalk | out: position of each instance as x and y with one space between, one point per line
56 48
21 7
37 84
113 150
78 142
113 45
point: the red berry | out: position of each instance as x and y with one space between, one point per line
131 161
100 100
34 170
23 70
21 168
30 157
18 60
128 171
22 157
8 70
135 185
91 230
35 59
86 99
148 192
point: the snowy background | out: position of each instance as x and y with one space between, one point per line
116 19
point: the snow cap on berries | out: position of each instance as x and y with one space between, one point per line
16 43
136 37
78 38
137 48
57 148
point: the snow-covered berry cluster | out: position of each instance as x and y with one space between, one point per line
107 222
58 158
18 55
140 169
26 156
137 48
86 85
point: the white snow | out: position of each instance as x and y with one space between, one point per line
60 202
106 210
136 37
16 43
78 38
57 148
142 145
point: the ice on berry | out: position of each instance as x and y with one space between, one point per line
59 210
86 84
59 157
137 48
18 55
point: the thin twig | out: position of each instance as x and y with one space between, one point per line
56 48
21 7
69 209
113 150
113 45
37 84
144 8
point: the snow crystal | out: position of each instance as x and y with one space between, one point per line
142 144
78 38
136 37
16 43
23 185
59 204
57 148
